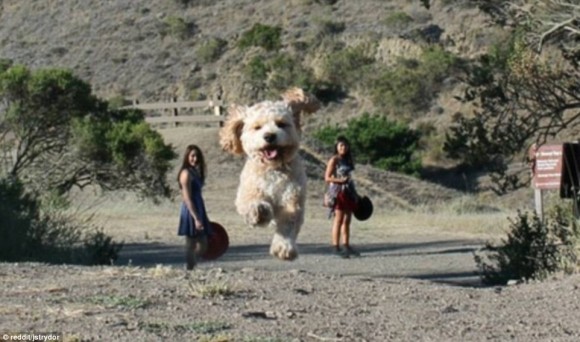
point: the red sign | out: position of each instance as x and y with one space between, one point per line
547 166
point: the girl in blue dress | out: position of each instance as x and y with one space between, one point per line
194 223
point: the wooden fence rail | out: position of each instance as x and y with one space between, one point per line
175 117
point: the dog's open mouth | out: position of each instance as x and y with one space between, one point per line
270 153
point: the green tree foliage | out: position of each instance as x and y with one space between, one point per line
62 136
378 141
265 36
533 249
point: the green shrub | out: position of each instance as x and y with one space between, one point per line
256 70
28 233
398 20
533 249
183 2
329 28
346 66
401 90
99 248
267 37
211 50
436 63
5 64
286 71
116 102
18 211
279 72
177 27
411 85
378 141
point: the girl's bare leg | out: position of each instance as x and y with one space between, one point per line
345 229
336 226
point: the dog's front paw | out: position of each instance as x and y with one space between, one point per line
260 214
283 248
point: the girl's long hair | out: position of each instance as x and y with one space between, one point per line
348 156
200 161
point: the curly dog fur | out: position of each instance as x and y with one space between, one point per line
272 188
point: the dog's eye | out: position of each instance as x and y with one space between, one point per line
257 127
281 124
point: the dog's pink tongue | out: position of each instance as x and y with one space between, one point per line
270 153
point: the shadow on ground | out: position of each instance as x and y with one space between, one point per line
448 261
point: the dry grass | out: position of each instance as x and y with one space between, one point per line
212 290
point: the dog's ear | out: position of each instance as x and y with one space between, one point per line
300 101
231 132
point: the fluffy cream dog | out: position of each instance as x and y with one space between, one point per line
272 188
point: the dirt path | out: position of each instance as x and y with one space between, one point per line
254 304
440 258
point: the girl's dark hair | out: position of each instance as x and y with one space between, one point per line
348 156
200 161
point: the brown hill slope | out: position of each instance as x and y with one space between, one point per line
132 48
136 50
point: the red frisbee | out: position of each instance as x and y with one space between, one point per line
217 243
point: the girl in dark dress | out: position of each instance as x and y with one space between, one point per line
194 223
343 193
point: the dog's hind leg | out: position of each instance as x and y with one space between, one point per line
284 244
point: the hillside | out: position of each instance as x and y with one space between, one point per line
152 51
123 48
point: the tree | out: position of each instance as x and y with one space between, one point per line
376 140
547 21
60 136
523 95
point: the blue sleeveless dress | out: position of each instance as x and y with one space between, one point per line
186 222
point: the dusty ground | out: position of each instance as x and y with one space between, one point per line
413 282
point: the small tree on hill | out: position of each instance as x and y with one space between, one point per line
61 136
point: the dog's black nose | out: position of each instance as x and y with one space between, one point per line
270 137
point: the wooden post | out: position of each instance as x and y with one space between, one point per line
575 206
538 198
217 108
175 110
